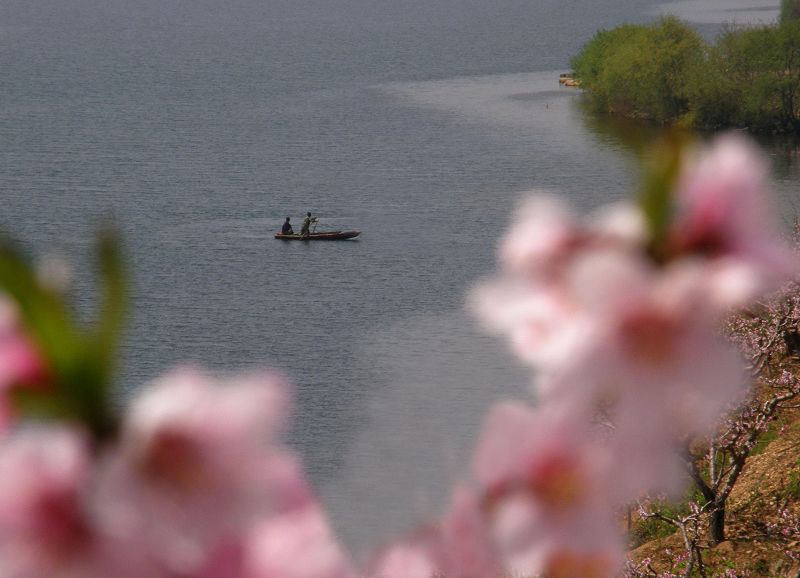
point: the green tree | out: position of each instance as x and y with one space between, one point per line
666 73
590 63
641 71
787 73
761 75
790 10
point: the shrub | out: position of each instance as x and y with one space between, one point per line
666 73
790 10
641 70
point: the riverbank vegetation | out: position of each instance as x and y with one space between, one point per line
667 73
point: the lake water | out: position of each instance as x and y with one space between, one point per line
199 125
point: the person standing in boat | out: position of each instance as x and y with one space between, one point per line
304 230
287 228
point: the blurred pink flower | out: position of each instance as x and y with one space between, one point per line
199 461
545 480
622 332
534 541
20 361
21 364
724 214
468 539
43 525
460 546
652 346
226 559
619 325
48 525
543 234
296 544
536 301
417 556
521 450
542 323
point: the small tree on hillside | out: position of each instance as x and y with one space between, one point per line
769 337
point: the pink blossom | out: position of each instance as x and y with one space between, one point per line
624 332
20 361
532 541
543 234
468 539
460 546
547 310
724 214
531 301
650 344
542 323
417 556
296 544
545 482
43 525
199 461
538 452
48 525
225 559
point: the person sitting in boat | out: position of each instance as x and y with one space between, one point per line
304 230
287 228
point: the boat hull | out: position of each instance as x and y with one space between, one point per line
328 236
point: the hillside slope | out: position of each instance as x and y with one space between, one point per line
760 541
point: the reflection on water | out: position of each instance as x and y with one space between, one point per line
630 135
636 137
785 153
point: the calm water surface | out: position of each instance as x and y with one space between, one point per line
199 125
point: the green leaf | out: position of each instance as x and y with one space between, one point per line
113 294
81 362
41 404
42 311
661 171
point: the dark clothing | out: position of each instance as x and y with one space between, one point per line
287 229
304 230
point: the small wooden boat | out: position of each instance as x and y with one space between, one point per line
326 236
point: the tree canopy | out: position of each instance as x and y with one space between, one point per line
665 72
